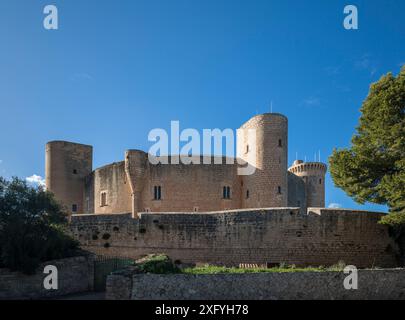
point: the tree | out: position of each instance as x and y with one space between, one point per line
32 227
373 168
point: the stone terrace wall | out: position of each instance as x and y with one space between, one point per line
74 274
372 284
268 236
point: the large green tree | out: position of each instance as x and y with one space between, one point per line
31 227
373 168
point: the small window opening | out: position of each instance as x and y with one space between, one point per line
103 198
279 190
227 192
74 207
280 143
157 193
247 194
74 171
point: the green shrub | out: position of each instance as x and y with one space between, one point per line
157 263
31 227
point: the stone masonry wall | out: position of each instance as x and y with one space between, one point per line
75 275
372 284
268 236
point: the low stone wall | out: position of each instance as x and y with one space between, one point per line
372 284
74 275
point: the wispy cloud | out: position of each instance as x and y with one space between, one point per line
312 102
82 76
332 70
334 206
367 63
36 180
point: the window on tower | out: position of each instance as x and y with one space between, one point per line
103 199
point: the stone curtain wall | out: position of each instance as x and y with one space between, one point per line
372 284
272 236
75 275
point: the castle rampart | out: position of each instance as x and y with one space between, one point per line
266 236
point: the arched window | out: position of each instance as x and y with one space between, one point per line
103 198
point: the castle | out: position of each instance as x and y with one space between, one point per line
208 213
135 185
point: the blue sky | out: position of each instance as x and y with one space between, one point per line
117 69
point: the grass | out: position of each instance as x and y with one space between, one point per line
209 269
161 264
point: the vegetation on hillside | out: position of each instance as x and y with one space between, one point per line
373 168
32 227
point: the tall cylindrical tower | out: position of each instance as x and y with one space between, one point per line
67 165
267 186
313 174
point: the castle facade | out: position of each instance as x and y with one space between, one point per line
135 185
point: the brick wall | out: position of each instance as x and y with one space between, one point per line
282 235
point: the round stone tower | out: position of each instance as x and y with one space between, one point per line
313 174
267 186
136 168
67 165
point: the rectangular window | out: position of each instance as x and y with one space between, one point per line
157 192
247 194
74 207
226 193
279 190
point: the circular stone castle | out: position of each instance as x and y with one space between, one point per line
136 185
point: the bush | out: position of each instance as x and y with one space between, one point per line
32 227
157 263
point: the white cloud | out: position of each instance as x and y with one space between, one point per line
335 206
36 180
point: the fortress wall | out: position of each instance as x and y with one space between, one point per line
191 187
111 179
324 237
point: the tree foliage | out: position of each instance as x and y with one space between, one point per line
31 227
373 168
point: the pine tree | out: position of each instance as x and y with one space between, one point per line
373 168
